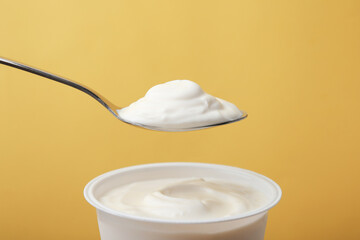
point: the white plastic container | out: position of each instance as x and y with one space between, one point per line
114 225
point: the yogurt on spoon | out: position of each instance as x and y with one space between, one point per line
179 104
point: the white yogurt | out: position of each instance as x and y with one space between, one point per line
184 198
162 201
179 104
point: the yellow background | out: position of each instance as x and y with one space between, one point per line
294 66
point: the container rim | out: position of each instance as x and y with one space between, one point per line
89 196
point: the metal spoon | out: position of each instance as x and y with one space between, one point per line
106 103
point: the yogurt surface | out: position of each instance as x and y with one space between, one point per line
179 104
184 198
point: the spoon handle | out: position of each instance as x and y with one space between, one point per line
111 107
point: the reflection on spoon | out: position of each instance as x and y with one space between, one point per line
179 105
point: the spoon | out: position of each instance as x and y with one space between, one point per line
112 108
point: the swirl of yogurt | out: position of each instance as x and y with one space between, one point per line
179 104
183 199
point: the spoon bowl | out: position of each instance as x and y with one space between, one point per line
112 108
244 115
